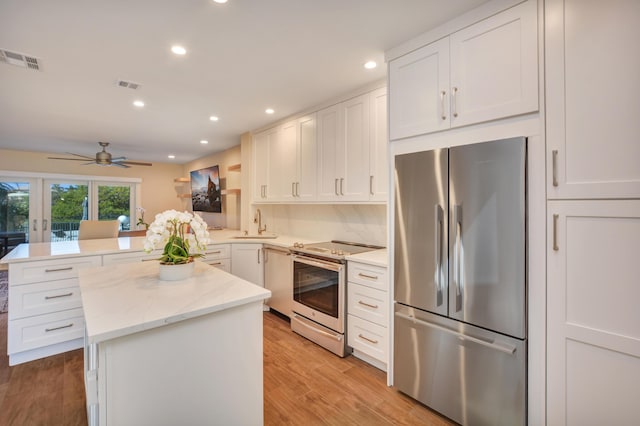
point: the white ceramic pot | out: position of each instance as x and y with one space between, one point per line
179 272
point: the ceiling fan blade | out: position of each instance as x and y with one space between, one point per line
118 159
124 166
81 156
136 163
72 159
89 163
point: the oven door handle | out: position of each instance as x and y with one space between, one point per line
337 267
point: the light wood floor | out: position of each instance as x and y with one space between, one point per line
303 385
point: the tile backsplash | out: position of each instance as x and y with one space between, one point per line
363 223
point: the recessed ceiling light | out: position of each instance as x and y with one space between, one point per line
269 110
171 156
203 142
220 1
139 104
370 65
213 118
178 50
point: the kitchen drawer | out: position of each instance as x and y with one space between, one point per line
224 264
368 303
369 275
43 330
367 337
218 251
48 270
136 256
44 298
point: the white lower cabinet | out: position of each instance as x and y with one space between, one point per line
247 262
593 320
45 314
368 313
218 255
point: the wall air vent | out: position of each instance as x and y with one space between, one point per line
20 60
127 84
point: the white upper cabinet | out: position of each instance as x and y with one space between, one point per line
419 91
286 161
295 160
338 154
354 181
305 185
378 148
263 144
330 142
483 72
592 99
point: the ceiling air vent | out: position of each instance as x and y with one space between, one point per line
128 84
20 60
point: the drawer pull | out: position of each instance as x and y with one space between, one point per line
58 328
375 342
214 252
58 296
69 268
216 263
366 304
372 277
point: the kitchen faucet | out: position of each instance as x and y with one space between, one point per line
258 219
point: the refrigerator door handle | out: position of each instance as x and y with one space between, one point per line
439 216
499 346
457 256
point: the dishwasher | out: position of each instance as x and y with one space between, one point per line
278 277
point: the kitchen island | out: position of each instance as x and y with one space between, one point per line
182 352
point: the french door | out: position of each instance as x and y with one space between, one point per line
35 208
67 202
19 210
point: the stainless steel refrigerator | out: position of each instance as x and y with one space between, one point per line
460 281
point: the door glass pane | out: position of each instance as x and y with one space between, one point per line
69 205
114 203
14 215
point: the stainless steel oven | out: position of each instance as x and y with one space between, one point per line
319 292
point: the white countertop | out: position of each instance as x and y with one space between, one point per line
127 298
375 257
66 249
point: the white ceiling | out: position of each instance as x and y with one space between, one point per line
242 57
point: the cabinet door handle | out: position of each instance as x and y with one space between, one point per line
554 166
58 328
44 224
35 224
259 250
443 116
335 186
58 296
293 189
375 342
360 302
341 184
373 277
68 268
454 99
555 233
297 189
371 185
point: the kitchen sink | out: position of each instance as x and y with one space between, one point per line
256 236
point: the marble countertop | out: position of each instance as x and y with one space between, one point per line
127 298
375 257
66 249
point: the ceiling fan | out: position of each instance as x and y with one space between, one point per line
103 158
